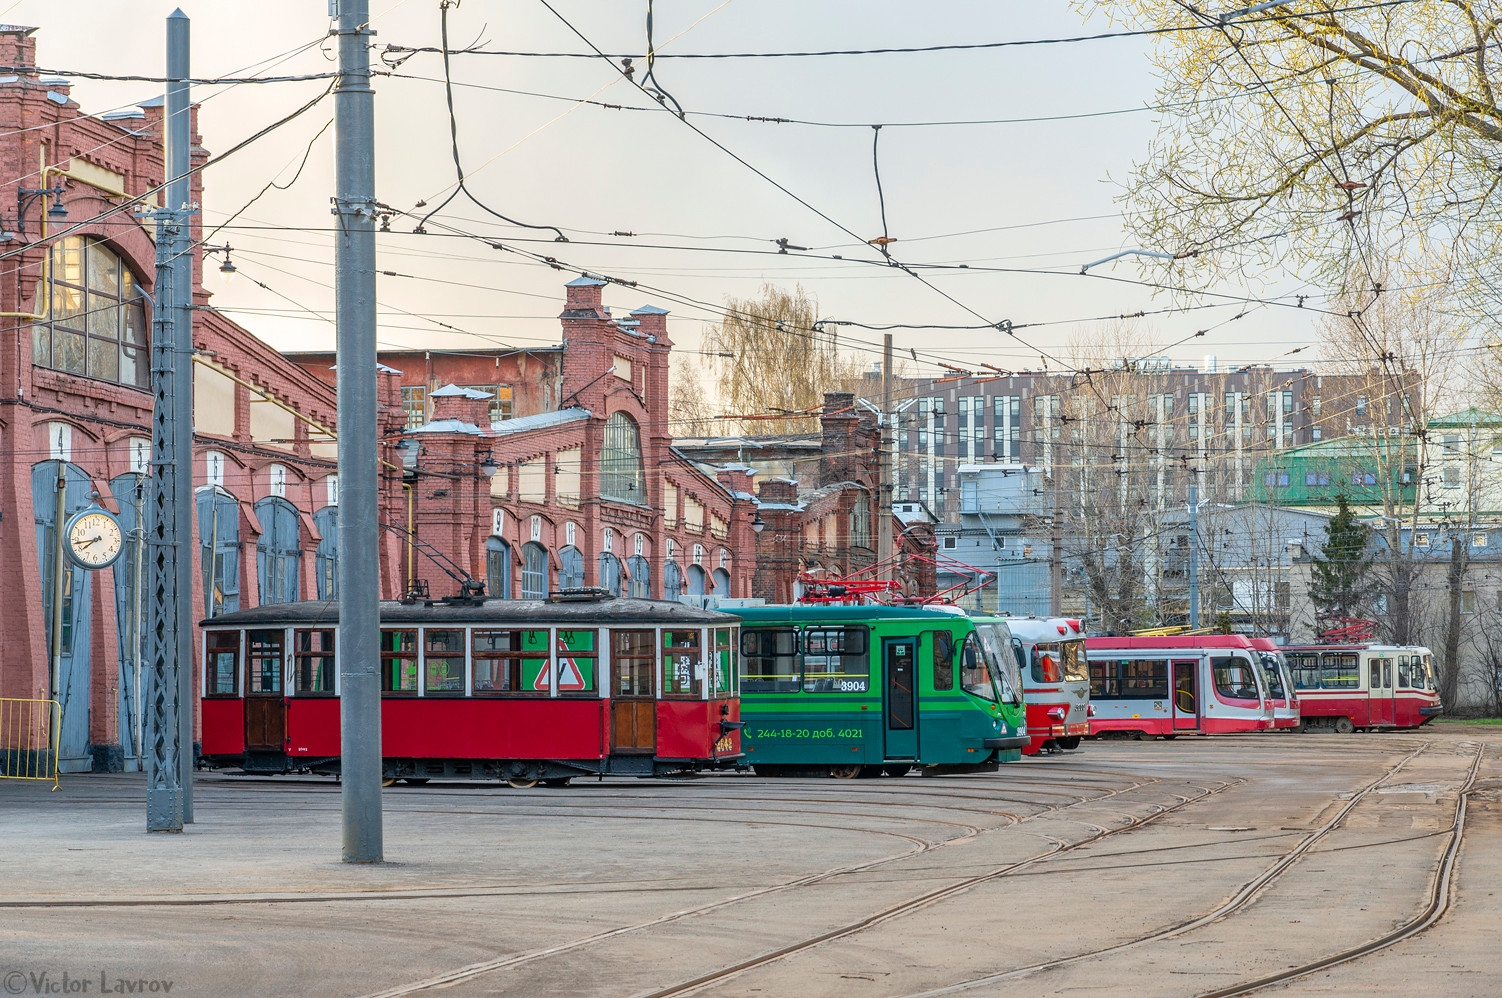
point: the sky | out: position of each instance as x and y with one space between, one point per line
1021 195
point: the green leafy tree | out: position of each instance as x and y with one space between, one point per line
1341 584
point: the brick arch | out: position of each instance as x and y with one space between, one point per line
130 244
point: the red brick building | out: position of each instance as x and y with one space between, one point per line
819 514
591 492
75 408
521 382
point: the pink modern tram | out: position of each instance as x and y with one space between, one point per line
1051 655
1279 684
1178 685
1358 687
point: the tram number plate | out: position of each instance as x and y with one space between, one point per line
725 744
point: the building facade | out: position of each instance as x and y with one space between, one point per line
1167 427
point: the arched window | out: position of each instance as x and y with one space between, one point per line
672 580
497 568
695 580
860 521
219 550
621 474
641 577
277 552
721 582
534 571
95 319
610 572
327 557
570 568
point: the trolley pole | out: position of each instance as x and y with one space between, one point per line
178 195
1194 557
355 309
169 528
885 550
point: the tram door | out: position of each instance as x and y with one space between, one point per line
265 703
633 692
899 658
1185 694
1380 693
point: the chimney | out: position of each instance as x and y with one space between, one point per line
735 477
653 322
584 296
783 490
838 425
467 405
18 50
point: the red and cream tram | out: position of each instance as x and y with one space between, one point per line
1279 684
1177 685
1354 687
1051 656
579 684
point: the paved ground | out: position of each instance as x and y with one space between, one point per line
1183 868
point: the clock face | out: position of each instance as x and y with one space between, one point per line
94 539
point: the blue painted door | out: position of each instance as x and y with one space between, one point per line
72 692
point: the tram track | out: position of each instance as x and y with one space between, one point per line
551 810
1437 905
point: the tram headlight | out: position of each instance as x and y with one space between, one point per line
1057 713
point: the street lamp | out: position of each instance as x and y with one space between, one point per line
488 467
758 524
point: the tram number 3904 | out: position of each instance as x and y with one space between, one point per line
808 733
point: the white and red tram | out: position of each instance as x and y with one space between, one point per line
1279 684
1051 656
1357 687
1177 685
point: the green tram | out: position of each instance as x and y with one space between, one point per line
852 691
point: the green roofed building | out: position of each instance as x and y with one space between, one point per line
1366 469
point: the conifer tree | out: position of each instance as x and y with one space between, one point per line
1341 584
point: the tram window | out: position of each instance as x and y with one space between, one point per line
1404 680
578 652
313 662
1103 681
771 660
682 664
723 675
1274 680
1046 667
1234 677
398 661
635 659
1142 679
1072 661
511 661
996 639
443 660
835 660
223 664
942 643
1305 669
1428 672
975 674
1374 672
1340 671
265 654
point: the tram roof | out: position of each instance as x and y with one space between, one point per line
601 612
826 611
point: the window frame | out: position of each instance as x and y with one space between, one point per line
126 301
514 661
301 655
211 675
394 657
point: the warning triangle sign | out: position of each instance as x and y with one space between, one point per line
570 678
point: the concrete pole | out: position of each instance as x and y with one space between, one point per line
179 194
884 544
1056 554
1194 557
355 306
59 589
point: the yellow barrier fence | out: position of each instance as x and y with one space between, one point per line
28 739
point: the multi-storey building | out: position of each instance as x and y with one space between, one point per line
1164 427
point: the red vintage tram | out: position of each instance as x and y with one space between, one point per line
1359 686
521 690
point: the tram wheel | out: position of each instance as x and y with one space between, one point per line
870 772
558 781
1068 744
1344 726
520 783
762 769
845 772
896 770
1169 738
389 781
415 781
